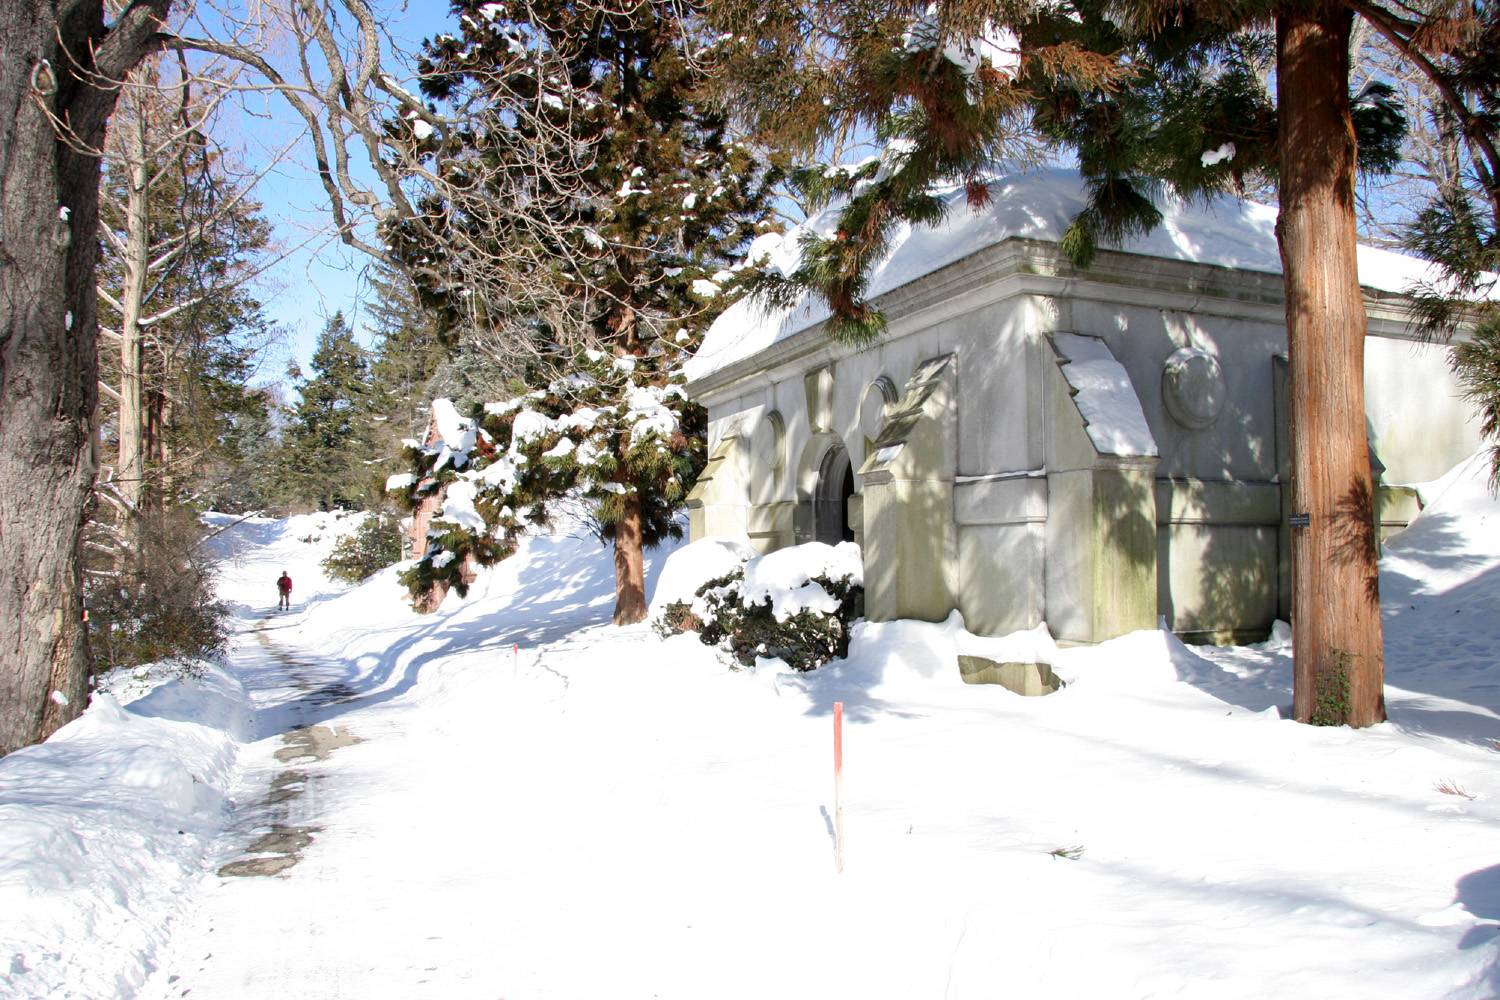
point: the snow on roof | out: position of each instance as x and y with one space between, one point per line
1038 205
1103 394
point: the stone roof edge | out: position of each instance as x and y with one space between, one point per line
1018 266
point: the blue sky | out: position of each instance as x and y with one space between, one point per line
320 276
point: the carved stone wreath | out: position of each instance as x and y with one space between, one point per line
1192 386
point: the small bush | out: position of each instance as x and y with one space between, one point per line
806 639
375 544
675 619
1331 685
159 606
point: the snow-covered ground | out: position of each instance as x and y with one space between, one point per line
510 798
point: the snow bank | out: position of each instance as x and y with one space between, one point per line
1439 589
104 826
1152 829
904 660
1454 541
1033 645
1038 205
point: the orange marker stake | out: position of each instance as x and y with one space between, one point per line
515 658
838 781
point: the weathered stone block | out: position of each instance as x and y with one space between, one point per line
1030 679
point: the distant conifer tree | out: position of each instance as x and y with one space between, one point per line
409 349
327 445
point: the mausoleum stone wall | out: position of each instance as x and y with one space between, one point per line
980 481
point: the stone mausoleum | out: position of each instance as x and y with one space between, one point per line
1032 442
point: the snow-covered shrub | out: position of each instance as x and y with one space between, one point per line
373 546
796 604
686 572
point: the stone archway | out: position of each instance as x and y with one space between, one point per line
831 497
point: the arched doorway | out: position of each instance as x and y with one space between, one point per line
831 501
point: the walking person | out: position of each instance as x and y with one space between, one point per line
284 588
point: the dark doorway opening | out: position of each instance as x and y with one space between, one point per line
831 504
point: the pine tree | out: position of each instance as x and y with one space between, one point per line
950 91
408 354
1459 225
181 331
630 245
661 199
408 350
469 376
241 472
1322 137
327 446
620 436
180 335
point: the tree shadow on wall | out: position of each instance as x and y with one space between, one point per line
1125 504
1227 584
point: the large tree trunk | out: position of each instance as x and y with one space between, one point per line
49 208
630 565
1339 672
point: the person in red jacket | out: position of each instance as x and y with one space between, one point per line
284 588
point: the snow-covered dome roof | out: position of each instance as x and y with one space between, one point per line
1037 205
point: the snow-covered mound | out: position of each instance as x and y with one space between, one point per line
103 826
787 578
1036 205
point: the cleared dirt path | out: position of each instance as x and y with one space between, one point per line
279 811
391 833
280 847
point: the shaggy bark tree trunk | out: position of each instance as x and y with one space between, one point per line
630 565
1339 664
49 208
